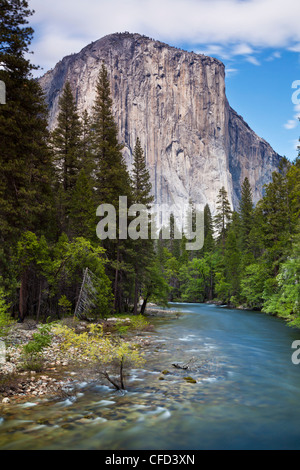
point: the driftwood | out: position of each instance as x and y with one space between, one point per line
185 366
178 366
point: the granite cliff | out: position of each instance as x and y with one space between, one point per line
175 101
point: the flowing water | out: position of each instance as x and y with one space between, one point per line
247 393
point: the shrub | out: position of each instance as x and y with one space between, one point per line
32 352
5 319
102 350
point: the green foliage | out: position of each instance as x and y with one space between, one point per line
65 305
5 318
142 250
33 351
48 200
25 161
194 276
32 363
285 300
223 216
246 210
139 323
253 285
40 341
102 350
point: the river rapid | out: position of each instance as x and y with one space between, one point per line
246 395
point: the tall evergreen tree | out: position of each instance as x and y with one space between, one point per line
66 145
223 215
66 139
277 220
209 242
246 213
24 158
112 178
25 161
87 162
143 249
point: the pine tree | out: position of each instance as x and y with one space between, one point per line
66 139
246 213
141 177
277 220
66 146
232 260
86 156
223 215
82 208
209 242
143 249
112 179
25 161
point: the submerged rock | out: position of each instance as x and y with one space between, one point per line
190 380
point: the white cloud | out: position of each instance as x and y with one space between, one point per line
252 60
214 50
231 71
275 55
295 48
291 124
242 49
237 27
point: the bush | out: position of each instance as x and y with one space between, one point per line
32 352
33 363
102 350
139 322
39 342
5 319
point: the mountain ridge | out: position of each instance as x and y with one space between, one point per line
175 101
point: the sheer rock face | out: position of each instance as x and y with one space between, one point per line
175 102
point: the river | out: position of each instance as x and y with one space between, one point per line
247 393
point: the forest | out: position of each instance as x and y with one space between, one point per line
51 184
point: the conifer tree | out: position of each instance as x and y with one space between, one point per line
24 158
82 208
66 139
223 215
25 161
66 145
86 155
142 249
208 230
112 179
246 213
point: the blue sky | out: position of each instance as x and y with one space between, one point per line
258 40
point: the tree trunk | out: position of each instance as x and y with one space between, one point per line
143 309
122 374
116 287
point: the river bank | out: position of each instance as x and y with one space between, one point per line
59 374
245 392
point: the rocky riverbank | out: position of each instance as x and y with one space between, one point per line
59 373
